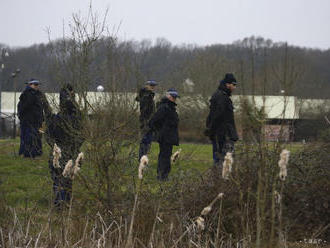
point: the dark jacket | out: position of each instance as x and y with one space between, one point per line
68 104
220 120
31 107
147 105
165 122
64 129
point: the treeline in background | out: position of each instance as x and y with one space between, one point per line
276 194
262 66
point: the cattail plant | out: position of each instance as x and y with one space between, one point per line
144 161
57 154
79 158
77 164
208 208
277 197
70 169
284 159
200 223
282 163
220 196
227 165
67 172
143 164
175 156
200 220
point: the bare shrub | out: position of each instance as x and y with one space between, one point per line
307 199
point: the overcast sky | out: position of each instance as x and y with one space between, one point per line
299 22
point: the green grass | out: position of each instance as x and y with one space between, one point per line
26 186
22 179
27 181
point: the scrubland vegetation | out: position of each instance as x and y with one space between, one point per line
268 199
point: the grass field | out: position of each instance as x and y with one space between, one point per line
26 188
25 180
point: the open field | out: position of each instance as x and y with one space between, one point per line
25 180
165 213
28 180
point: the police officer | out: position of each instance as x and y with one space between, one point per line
64 130
147 108
31 107
165 123
220 123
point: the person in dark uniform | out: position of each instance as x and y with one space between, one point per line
165 124
31 108
147 108
64 133
220 123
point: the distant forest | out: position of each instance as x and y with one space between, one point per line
260 65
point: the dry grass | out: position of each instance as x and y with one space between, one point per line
186 211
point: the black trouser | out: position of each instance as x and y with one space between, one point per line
30 145
164 160
62 186
145 144
220 147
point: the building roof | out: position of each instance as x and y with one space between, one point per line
276 107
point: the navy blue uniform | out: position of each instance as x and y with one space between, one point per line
147 108
221 124
64 129
31 115
165 124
